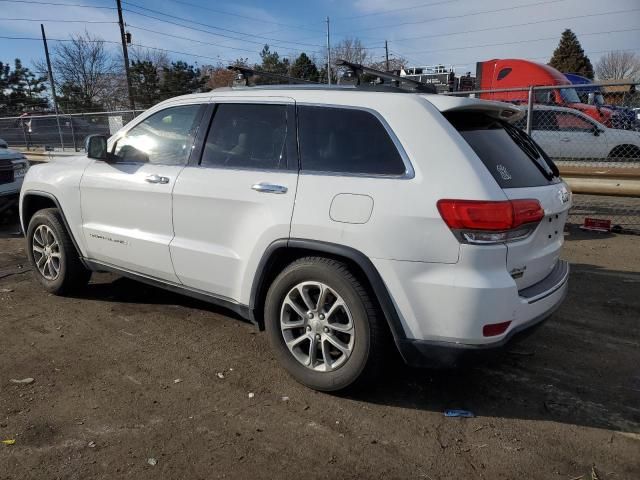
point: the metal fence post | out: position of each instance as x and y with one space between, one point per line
73 134
530 111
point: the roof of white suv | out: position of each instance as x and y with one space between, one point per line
356 97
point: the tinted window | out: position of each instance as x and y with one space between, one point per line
503 73
247 136
510 155
164 138
346 141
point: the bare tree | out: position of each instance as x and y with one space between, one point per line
351 50
395 64
618 65
85 71
159 58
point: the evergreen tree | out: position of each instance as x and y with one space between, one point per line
20 89
145 83
180 79
569 57
271 62
304 68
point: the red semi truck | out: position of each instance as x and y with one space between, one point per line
517 73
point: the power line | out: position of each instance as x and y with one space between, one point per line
502 27
34 2
189 39
50 20
520 41
244 16
209 32
213 26
401 9
503 9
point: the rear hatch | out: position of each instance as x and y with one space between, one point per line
523 171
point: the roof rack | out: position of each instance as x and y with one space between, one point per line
353 78
356 71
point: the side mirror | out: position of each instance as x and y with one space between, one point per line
596 131
96 147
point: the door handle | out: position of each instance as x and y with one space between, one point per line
269 188
157 179
565 139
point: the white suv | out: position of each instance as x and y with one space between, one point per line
340 220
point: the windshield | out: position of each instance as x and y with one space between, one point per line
570 95
511 156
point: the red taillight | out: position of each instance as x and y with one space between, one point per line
494 329
486 215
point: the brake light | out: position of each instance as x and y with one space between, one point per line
479 221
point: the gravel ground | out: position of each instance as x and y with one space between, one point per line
131 381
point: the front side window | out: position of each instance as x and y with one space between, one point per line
345 140
163 138
248 136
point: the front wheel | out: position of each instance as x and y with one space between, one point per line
323 325
52 254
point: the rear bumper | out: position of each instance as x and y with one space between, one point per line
444 313
436 354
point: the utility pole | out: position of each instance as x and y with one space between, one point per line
125 54
386 55
328 54
53 84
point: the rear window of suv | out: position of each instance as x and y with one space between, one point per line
511 156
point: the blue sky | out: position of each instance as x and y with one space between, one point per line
427 32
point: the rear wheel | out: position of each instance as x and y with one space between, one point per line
625 152
323 325
52 254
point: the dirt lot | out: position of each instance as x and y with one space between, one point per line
126 373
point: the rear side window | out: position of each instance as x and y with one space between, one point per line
345 140
511 156
247 136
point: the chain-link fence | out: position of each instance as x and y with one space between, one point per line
60 132
592 132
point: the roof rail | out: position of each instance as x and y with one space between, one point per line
244 73
355 72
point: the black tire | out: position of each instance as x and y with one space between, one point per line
370 342
625 152
72 275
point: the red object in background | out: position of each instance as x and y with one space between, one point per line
518 73
596 225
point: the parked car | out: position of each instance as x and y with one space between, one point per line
567 134
518 73
623 117
42 131
13 168
340 220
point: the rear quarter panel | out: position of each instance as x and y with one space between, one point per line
404 223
